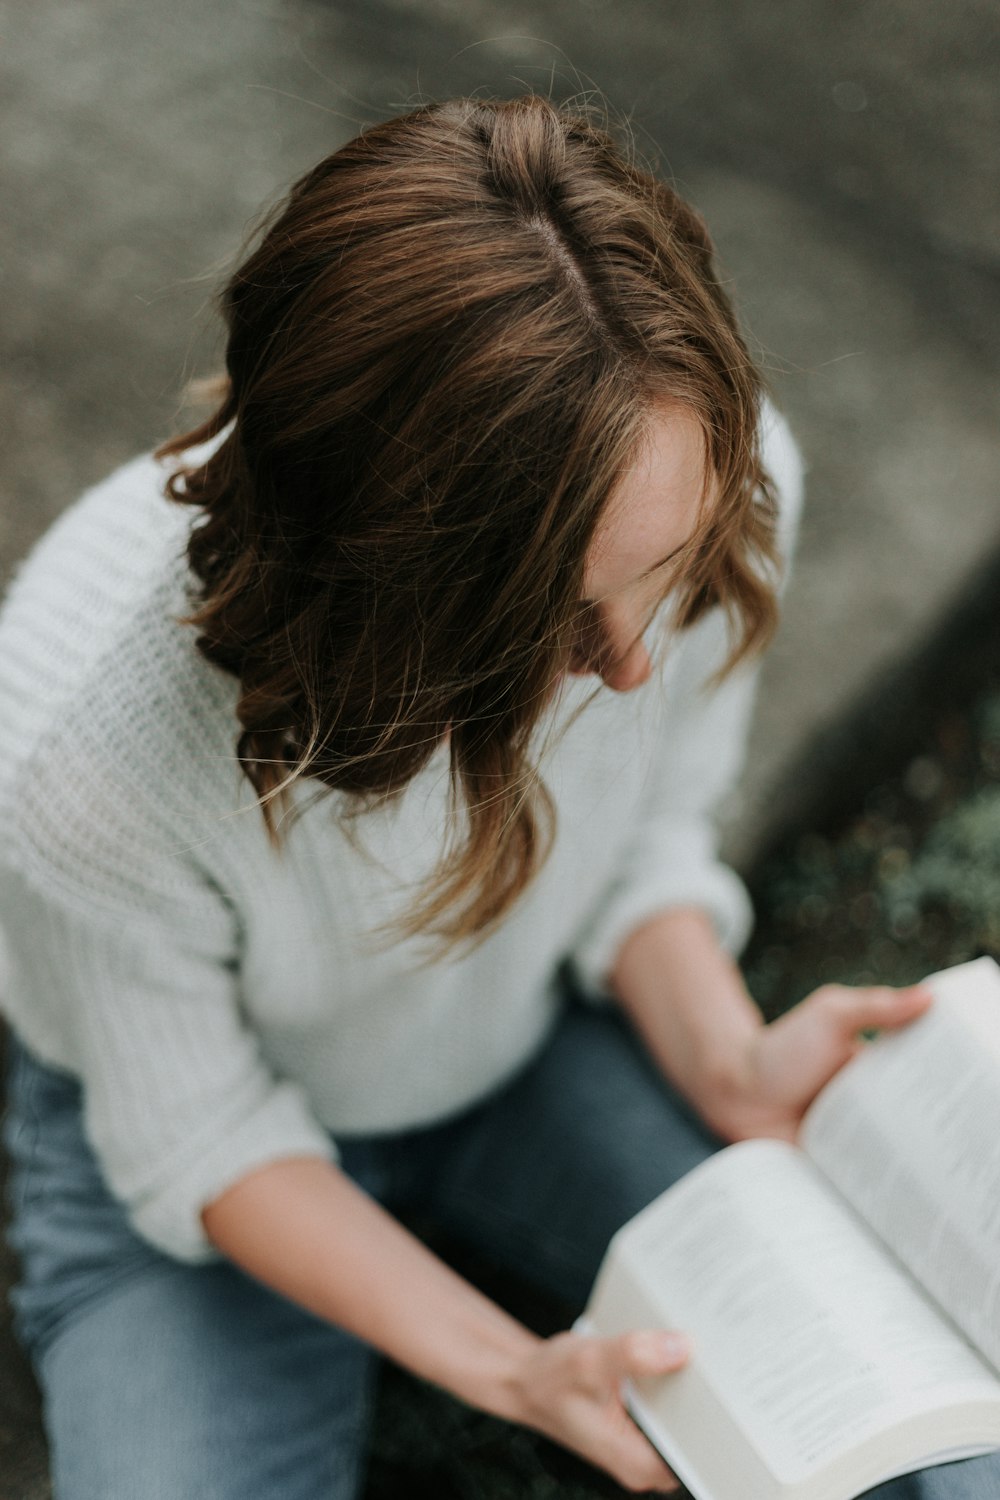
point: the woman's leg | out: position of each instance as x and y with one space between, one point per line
182 1382
163 1379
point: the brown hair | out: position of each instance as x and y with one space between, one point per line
442 358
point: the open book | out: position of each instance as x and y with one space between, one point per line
843 1299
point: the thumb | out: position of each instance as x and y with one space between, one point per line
896 1007
873 1006
649 1351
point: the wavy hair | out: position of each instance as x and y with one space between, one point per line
442 358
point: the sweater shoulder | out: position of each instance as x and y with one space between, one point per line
77 598
784 464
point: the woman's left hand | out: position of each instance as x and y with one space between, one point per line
786 1063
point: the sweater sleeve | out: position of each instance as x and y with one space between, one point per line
671 859
124 941
124 944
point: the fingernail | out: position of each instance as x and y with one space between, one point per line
674 1346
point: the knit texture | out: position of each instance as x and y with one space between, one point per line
226 1005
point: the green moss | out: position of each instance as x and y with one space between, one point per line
957 871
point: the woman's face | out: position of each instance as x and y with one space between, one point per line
648 521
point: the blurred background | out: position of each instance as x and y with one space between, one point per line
843 151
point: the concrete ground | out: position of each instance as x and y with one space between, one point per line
844 152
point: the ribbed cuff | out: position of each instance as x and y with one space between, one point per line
714 888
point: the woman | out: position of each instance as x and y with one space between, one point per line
317 809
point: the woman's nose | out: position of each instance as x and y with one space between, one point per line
623 673
611 647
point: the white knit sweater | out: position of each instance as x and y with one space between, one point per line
226 1006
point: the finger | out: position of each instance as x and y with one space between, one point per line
892 1007
875 1006
910 1003
648 1351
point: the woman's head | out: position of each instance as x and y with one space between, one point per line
457 349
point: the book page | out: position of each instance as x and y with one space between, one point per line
802 1325
909 1133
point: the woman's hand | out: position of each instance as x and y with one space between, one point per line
569 1388
301 1226
687 1000
786 1063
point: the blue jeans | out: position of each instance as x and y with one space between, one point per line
167 1381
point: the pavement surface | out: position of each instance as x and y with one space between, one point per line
843 151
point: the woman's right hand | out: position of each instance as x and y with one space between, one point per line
569 1388
301 1226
